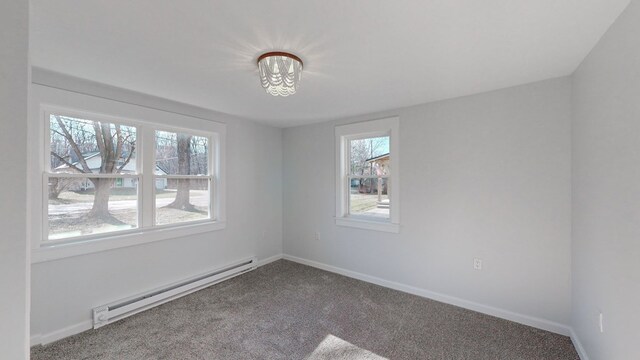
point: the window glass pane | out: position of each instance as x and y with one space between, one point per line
86 146
369 156
369 197
181 200
181 154
85 206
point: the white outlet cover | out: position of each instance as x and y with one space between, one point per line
477 264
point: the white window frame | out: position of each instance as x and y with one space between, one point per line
47 173
44 249
213 139
367 129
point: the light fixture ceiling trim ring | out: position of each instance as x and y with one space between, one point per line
280 53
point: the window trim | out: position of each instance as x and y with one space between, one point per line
44 249
355 131
120 239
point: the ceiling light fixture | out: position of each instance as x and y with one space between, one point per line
280 73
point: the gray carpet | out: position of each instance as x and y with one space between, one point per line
289 311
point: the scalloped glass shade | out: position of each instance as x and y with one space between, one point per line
280 75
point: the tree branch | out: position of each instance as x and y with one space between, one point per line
118 142
109 159
126 161
67 163
74 146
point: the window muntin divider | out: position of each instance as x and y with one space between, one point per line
92 175
148 166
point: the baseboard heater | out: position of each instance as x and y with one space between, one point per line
106 314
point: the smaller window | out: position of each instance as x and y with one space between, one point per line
367 175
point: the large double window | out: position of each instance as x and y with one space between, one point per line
107 176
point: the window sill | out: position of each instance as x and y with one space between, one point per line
368 224
49 252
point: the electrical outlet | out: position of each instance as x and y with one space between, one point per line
477 264
317 235
601 322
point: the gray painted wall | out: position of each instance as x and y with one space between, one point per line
64 291
483 176
606 193
14 269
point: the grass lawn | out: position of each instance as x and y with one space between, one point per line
363 203
68 214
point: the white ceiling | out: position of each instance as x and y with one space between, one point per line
360 56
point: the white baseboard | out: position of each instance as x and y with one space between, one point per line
40 339
61 334
543 324
470 305
578 345
270 259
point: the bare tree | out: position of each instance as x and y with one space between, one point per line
182 154
363 150
57 186
110 141
184 167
